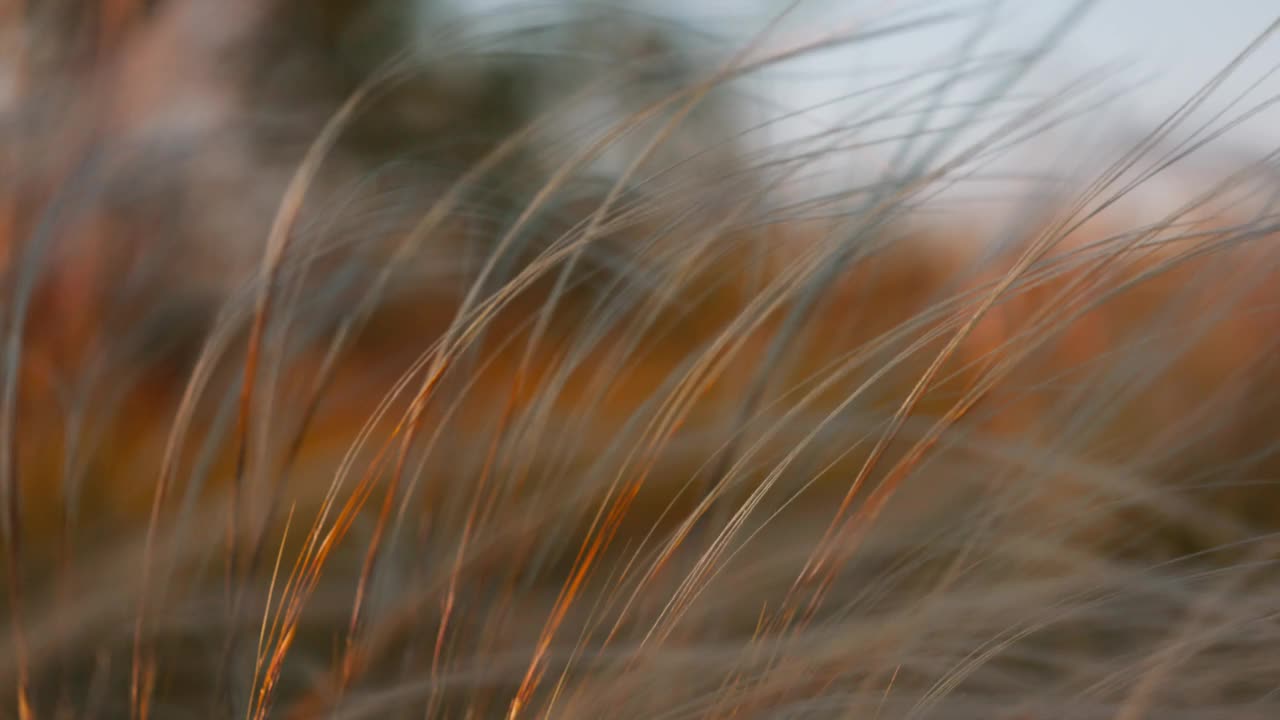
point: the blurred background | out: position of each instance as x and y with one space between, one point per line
1147 58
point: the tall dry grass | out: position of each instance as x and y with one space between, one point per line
343 385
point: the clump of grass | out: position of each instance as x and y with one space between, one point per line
556 393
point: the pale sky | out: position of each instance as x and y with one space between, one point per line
1176 44
1156 54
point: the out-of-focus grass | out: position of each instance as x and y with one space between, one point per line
445 420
